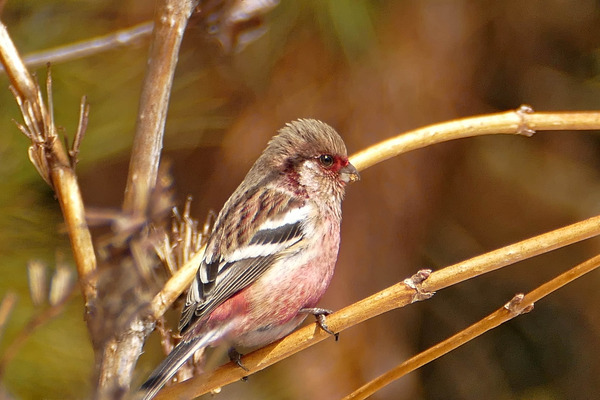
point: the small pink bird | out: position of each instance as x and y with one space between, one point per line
273 249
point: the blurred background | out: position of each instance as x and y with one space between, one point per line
371 69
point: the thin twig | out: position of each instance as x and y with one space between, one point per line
34 323
8 303
396 296
518 305
18 74
89 47
84 113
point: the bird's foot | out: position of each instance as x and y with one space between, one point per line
236 357
321 314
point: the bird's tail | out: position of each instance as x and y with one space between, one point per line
169 366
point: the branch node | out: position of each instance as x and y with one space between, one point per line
415 281
522 112
516 307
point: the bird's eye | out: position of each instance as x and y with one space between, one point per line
326 160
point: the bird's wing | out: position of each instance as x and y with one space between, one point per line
169 366
244 244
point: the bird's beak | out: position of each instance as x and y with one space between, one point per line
349 173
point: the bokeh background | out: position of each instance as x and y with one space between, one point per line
371 69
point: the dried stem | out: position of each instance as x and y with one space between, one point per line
173 288
84 113
34 323
169 26
520 304
8 303
522 121
86 48
120 353
17 73
396 296
51 160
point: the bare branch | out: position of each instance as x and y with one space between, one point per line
51 160
86 48
513 253
169 26
120 353
173 288
19 77
520 304
522 121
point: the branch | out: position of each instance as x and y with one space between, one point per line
120 353
52 162
38 320
520 304
396 296
173 288
523 121
61 292
86 48
169 26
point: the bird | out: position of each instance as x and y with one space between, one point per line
272 252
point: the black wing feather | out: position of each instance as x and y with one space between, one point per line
236 275
278 235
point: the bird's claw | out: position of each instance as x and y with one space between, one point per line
321 314
236 357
